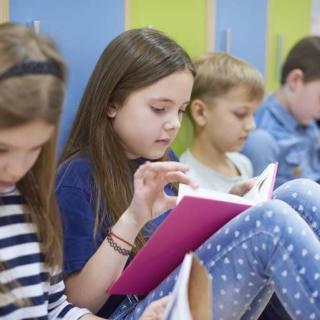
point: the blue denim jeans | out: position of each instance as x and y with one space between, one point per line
270 248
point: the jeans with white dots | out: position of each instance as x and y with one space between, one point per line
272 247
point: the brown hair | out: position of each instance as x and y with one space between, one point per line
24 98
135 59
217 73
304 55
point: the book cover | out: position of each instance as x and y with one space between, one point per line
199 214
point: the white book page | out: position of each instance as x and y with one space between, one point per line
263 186
203 193
178 307
260 191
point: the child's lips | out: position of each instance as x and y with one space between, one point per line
163 141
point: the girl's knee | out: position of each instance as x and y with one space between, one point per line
277 213
277 206
297 188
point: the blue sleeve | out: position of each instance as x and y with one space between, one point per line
77 213
172 156
261 148
77 220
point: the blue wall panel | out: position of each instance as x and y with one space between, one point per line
247 21
82 29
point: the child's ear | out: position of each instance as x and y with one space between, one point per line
198 110
295 79
112 110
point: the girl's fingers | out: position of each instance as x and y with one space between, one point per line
159 306
179 177
161 167
156 310
171 202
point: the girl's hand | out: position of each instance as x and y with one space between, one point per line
149 199
155 311
242 188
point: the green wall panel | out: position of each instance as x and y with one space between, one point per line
289 20
185 22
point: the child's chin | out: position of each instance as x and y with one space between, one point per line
155 155
237 148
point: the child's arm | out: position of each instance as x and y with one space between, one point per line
106 264
262 149
58 306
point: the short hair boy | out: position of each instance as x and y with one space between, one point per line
225 95
287 131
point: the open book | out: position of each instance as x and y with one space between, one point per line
199 214
261 191
191 298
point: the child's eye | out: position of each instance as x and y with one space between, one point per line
240 115
36 149
3 151
157 109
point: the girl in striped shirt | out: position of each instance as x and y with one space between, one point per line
32 86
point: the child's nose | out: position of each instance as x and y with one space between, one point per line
173 123
251 124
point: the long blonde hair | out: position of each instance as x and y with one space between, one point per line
28 97
135 59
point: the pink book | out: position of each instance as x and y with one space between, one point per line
199 214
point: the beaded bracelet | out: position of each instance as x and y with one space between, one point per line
116 247
119 238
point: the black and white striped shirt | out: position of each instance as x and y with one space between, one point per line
25 270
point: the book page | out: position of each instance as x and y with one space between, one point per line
178 307
264 183
192 294
261 191
185 190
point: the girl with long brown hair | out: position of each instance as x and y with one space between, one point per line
32 88
97 169
113 179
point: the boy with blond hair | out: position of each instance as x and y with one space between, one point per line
225 95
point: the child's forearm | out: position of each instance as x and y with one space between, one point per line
87 288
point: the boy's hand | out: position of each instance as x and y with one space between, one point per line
242 188
149 199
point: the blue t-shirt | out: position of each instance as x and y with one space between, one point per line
76 198
279 137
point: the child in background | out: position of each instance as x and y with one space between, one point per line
32 86
287 131
224 97
111 182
